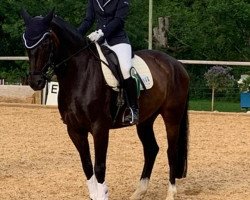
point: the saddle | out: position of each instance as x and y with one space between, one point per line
113 63
112 73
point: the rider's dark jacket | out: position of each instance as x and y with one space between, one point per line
109 16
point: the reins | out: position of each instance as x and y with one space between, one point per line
71 56
50 72
98 58
52 67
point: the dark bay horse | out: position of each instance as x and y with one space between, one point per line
85 102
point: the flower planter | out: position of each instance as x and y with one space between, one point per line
245 100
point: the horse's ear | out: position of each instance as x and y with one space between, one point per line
26 17
47 19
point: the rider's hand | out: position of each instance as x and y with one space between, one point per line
96 35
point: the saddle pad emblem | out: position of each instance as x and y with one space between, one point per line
138 63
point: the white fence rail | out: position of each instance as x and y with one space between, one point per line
207 62
14 58
194 62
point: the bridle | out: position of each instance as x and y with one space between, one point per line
45 72
48 70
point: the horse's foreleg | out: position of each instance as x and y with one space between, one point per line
101 137
80 140
150 147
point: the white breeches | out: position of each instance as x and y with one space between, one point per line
123 52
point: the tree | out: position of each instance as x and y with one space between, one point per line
218 78
210 30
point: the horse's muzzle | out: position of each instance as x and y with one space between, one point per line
36 82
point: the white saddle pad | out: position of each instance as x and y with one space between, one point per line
138 63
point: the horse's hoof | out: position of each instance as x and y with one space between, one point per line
136 196
170 198
141 190
172 192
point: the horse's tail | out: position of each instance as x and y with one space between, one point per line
182 158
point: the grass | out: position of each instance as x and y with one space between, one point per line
221 106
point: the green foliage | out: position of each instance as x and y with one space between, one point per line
211 30
199 29
221 106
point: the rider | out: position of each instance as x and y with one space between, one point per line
110 19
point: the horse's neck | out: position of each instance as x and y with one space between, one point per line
81 74
69 39
81 71
68 51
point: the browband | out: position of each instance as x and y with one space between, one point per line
31 47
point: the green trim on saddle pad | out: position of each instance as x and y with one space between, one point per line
135 76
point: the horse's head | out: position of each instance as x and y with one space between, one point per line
39 45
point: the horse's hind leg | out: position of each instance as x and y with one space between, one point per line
172 136
150 148
177 134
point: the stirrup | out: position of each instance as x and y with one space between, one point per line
131 121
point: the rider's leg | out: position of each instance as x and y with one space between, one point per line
124 52
131 93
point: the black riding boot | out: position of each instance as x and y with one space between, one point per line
130 88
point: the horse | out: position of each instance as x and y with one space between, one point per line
86 104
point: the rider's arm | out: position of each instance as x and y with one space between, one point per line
88 20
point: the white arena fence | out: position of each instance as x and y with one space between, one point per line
49 94
193 62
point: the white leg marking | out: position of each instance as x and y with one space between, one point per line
141 189
172 191
102 191
92 186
